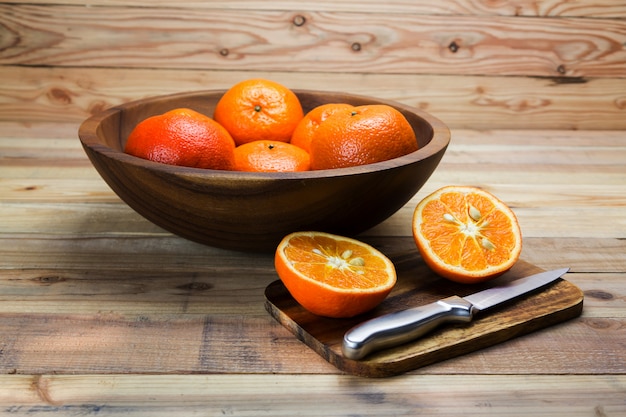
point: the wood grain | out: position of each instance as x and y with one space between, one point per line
545 65
329 42
579 8
77 265
70 95
314 395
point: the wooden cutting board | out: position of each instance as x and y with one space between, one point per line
416 286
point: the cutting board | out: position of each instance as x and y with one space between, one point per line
416 286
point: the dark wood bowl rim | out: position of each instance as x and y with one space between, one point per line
88 135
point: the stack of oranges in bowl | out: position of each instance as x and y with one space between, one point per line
259 125
173 159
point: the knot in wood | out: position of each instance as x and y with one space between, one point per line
599 294
49 279
299 20
60 95
453 47
196 286
356 46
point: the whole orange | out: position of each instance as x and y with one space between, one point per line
183 137
259 109
271 156
361 135
307 127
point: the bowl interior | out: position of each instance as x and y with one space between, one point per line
114 126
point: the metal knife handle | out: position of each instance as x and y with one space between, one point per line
403 326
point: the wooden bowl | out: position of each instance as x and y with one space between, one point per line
254 211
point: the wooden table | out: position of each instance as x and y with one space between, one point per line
103 313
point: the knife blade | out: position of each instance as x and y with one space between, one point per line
404 326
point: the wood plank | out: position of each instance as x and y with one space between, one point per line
314 395
123 254
125 251
91 188
603 296
85 212
107 342
537 349
154 291
71 95
126 295
548 137
334 42
160 317
562 8
158 268
51 150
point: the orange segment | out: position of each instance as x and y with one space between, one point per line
333 276
466 234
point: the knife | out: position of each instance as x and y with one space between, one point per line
403 326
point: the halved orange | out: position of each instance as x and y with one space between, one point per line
466 234
333 276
